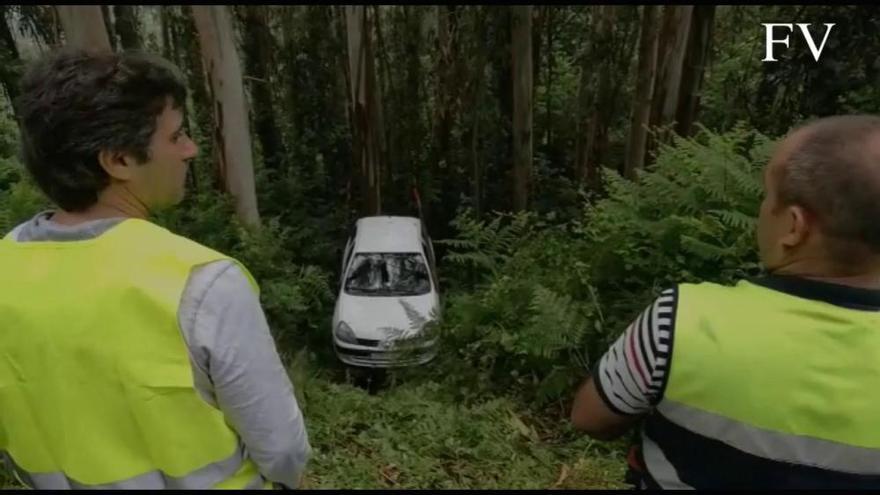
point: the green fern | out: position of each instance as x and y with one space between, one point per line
735 219
556 323
549 296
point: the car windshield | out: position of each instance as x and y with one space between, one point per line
388 274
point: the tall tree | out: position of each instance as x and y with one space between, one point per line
444 71
383 82
500 131
673 45
362 77
167 38
539 20
84 27
108 25
522 72
641 108
38 22
595 91
128 27
259 46
378 97
476 95
186 51
10 63
232 138
416 166
695 59
550 10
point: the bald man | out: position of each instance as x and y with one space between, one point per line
773 382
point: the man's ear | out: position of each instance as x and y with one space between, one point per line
117 164
799 226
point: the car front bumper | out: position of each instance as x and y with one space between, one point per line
371 354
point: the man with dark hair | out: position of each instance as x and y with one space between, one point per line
131 357
771 383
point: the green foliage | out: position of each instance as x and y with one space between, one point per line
19 197
296 297
416 436
483 247
550 296
772 97
733 76
530 300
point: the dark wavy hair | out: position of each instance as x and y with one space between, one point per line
74 104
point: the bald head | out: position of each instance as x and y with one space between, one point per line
831 168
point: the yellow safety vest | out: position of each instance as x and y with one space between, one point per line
767 389
96 385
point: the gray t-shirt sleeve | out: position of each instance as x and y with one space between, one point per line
237 368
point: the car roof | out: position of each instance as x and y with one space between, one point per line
388 234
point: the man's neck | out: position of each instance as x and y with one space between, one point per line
100 210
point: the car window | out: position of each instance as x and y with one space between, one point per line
388 274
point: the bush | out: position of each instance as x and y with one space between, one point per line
415 436
19 197
549 297
297 298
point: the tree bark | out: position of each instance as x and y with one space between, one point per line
165 24
594 121
478 85
108 25
641 112
10 70
378 105
39 21
362 76
383 87
698 46
128 27
539 20
187 52
446 58
259 46
502 130
548 127
521 51
232 139
584 101
418 130
673 44
84 27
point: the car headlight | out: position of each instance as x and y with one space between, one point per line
345 333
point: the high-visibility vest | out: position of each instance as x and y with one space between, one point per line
96 385
767 389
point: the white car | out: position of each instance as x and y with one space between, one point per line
388 294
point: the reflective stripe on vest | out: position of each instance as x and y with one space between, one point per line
767 390
208 476
96 385
814 452
661 470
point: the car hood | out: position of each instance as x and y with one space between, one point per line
384 318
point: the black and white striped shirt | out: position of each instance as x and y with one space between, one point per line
632 374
